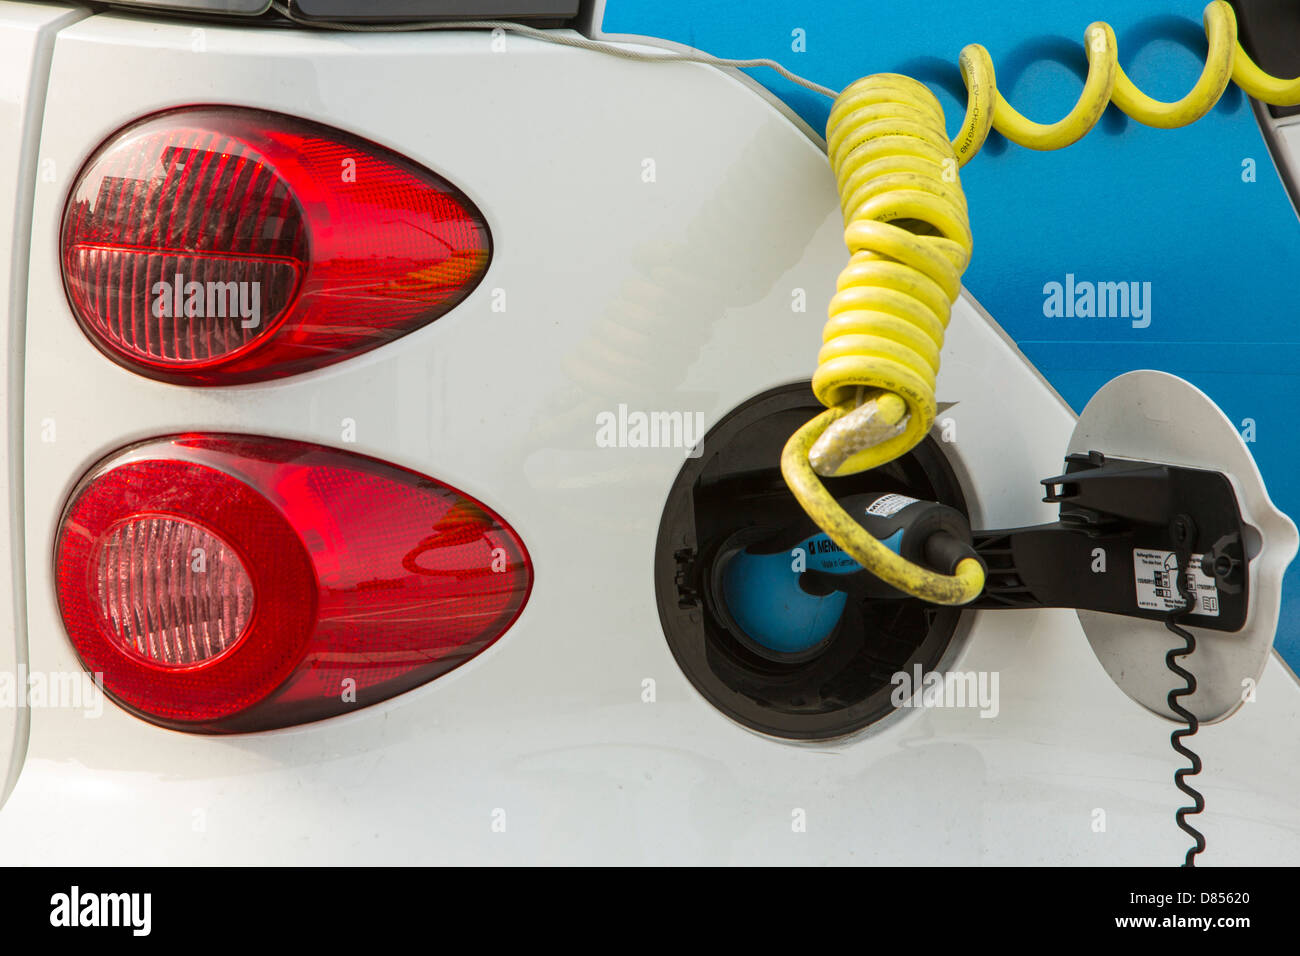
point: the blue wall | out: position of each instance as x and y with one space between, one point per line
1127 203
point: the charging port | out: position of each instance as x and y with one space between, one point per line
733 495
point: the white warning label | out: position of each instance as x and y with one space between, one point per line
1154 573
886 506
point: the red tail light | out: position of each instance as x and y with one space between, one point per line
232 583
215 245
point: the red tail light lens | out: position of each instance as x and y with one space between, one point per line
216 245
232 583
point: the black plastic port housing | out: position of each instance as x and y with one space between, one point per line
735 484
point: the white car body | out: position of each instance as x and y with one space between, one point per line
576 737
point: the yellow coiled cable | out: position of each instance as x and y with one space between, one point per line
909 240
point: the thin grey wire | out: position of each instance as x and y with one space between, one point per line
563 39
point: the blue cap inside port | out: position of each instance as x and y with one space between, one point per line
764 599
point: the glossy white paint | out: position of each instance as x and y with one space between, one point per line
666 295
26 39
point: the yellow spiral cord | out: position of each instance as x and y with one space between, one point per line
909 241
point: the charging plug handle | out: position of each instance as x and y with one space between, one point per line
925 532
1116 546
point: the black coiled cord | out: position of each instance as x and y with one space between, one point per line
1184 534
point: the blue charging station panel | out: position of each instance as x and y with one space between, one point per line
1199 213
